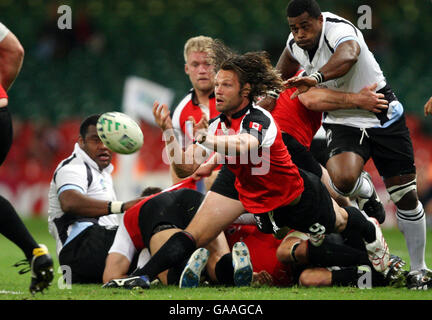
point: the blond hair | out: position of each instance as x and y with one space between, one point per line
197 44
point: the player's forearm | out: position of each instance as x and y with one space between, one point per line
327 100
233 145
342 60
84 206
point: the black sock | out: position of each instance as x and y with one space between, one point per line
175 272
179 247
12 227
345 277
350 277
225 270
358 222
331 254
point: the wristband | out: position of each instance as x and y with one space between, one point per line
318 76
115 207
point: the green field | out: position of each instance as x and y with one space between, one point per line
15 287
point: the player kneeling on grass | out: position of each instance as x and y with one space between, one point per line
150 223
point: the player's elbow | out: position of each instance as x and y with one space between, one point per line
310 100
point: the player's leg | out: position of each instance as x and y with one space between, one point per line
215 214
394 159
295 248
349 149
317 214
12 227
304 159
156 242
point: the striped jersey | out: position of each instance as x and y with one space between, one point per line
364 72
190 107
267 178
78 172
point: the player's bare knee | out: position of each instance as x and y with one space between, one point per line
307 279
344 182
408 201
316 277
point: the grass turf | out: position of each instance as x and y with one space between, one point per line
15 287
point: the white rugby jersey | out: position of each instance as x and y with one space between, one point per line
78 172
3 31
364 72
124 245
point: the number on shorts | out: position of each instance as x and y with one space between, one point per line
317 228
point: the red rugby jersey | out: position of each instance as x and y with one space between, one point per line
294 118
131 216
189 107
268 179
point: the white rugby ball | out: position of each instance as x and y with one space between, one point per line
119 132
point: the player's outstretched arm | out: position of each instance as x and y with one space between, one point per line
428 107
11 59
321 99
184 163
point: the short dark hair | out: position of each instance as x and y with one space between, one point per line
298 7
149 191
89 121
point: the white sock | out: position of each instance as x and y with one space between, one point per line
412 223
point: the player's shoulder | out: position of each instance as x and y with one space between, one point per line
335 24
183 103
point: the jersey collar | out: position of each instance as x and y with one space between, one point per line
194 97
85 157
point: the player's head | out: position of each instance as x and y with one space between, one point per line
90 142
149 191
242 79
197 64
305 20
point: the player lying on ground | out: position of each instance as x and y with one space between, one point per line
150 223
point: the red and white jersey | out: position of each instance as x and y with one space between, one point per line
265 178
189 107
128 240
295 119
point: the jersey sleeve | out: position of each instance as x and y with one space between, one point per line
339 32
71 177
258 124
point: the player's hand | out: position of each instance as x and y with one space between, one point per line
428 107
262 278
370 100
201 125
203 171
302 84
162 116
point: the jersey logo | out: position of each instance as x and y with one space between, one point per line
256 126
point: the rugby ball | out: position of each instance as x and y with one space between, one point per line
119 132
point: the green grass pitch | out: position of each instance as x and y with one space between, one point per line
15 287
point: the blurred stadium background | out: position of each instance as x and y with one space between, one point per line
69 74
